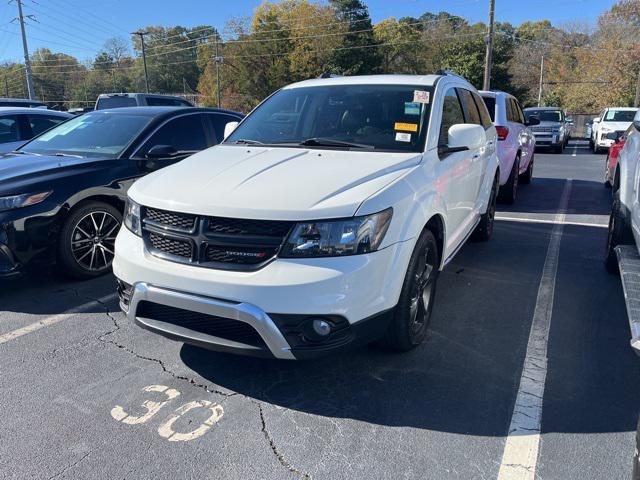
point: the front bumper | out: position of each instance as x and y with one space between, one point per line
354 294
548 139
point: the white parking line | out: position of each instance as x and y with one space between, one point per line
48 321
575 151
520 456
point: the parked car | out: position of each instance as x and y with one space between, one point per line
587 131
612 157
62 194
118 100
19 124
551 131
516 142
610 120
569 128
21 102
320 223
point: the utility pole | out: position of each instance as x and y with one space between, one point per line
637 100
144 57
488 62
541 80
218 60
27 61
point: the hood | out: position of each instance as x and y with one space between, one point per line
272 183
616 126
18 173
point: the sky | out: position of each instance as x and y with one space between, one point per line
80 27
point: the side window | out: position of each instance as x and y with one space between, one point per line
485 118
42 123
451 115
185 134
511 114
9 131
471 110
519 112
218 122
163 102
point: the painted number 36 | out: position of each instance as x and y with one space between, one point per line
165 429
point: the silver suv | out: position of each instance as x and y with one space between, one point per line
552 131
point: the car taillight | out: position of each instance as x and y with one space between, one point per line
503 133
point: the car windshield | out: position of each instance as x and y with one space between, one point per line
97 134
375 117
545 115
619 116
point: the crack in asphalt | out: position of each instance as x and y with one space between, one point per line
274 448
283 461
70 466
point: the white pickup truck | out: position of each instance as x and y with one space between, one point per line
320 223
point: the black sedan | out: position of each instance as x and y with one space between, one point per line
62 195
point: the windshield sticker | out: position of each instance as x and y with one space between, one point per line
403 137
421 96
407 127
411 108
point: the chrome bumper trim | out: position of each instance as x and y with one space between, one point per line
243 312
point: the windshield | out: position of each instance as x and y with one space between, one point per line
96 134
619 116
545 115
379 117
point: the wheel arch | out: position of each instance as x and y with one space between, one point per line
437 226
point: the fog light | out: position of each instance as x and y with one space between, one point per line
321 327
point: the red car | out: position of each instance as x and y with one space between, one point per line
612 159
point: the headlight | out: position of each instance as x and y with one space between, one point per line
336 238
132 217
606 130
24 200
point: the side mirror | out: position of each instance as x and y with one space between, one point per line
463 136
615 136
229 128
161 151
533 120
636 125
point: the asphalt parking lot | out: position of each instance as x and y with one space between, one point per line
86 394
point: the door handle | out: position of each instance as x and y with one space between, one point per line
475 157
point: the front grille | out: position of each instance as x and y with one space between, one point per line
171 246
213 242
542 129
181 221
220 327
232 226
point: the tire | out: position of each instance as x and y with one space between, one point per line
509 191
559 149
527 176
484 229
87 240
412 316
619 234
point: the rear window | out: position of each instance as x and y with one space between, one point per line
490 102
115 102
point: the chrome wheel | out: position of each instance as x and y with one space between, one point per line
93 240
421 294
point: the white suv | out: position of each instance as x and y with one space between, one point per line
516 142
610 120
320 223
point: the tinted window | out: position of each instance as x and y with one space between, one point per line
511 113
219 121
162 102
471 110
9 129
381 117
95 134
545 115
451 115
42 123
185 134
482 109
490 102
519 112
115 102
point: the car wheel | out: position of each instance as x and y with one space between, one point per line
527 176
87 240
619 234
484 230
558 149
509 191
408 329
607 183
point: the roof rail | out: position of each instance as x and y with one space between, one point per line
449 72
329 75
